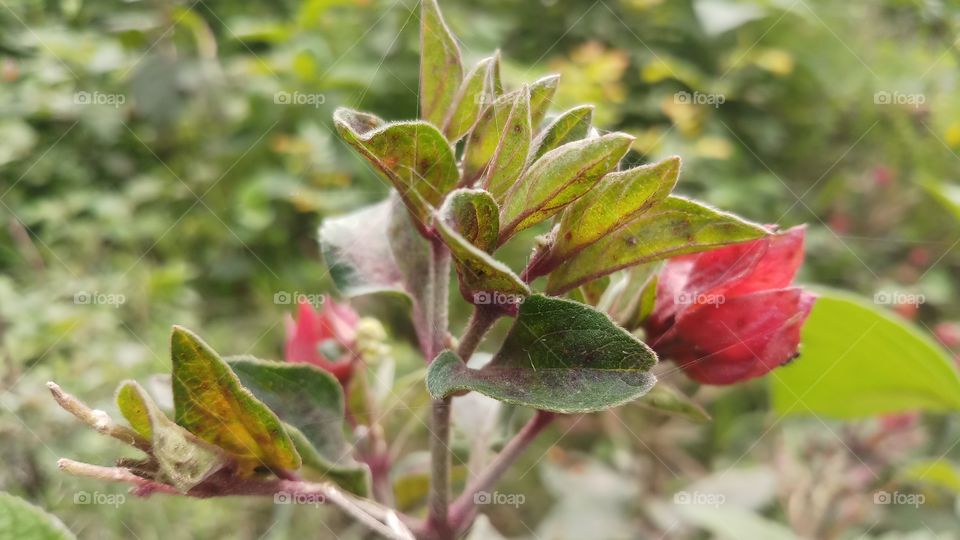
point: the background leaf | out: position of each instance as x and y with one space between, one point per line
24 521
356 247
559 356
857 361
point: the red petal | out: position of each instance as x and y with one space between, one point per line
742 338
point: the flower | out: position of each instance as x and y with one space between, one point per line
326 339
730 314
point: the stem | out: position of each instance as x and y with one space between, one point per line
365 512
481 321
464 510
439 496
438 521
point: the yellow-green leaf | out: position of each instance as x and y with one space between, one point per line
477 89
676 226
441 69
183 459
511 154
570 126
558 178
413 156
212 404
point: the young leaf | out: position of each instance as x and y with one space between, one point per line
184 460
857 361
570 126
413 156
668 399
21 520
476 90
511 154
441 70
483 141
210 402
618 199
311 402
541 95
474 215
483 279
558 178
356 247
676 226
559 356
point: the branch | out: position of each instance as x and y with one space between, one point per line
464 510
98 419
366 512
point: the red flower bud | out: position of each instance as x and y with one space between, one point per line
326 339
729 314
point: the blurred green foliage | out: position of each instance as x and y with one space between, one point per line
169 162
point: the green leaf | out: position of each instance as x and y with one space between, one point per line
668 399
933 472
677 226
356 247
441 70
483 141
510 157
570 126
310 401
541 95
483 279
560 356
183 459
23 521
558 178
210 402
413 156
476 90
474 215
618 199
857 361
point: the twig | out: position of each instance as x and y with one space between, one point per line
98 419
365 512
464 509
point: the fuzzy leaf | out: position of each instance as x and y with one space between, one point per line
211 403
476 90
559 356
558 178
483 141
413 156
311 402
541 96
511 154
677 226
21 520
619 198
356 247
570 126
667 399
183 459
474 215
481 276
441 69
